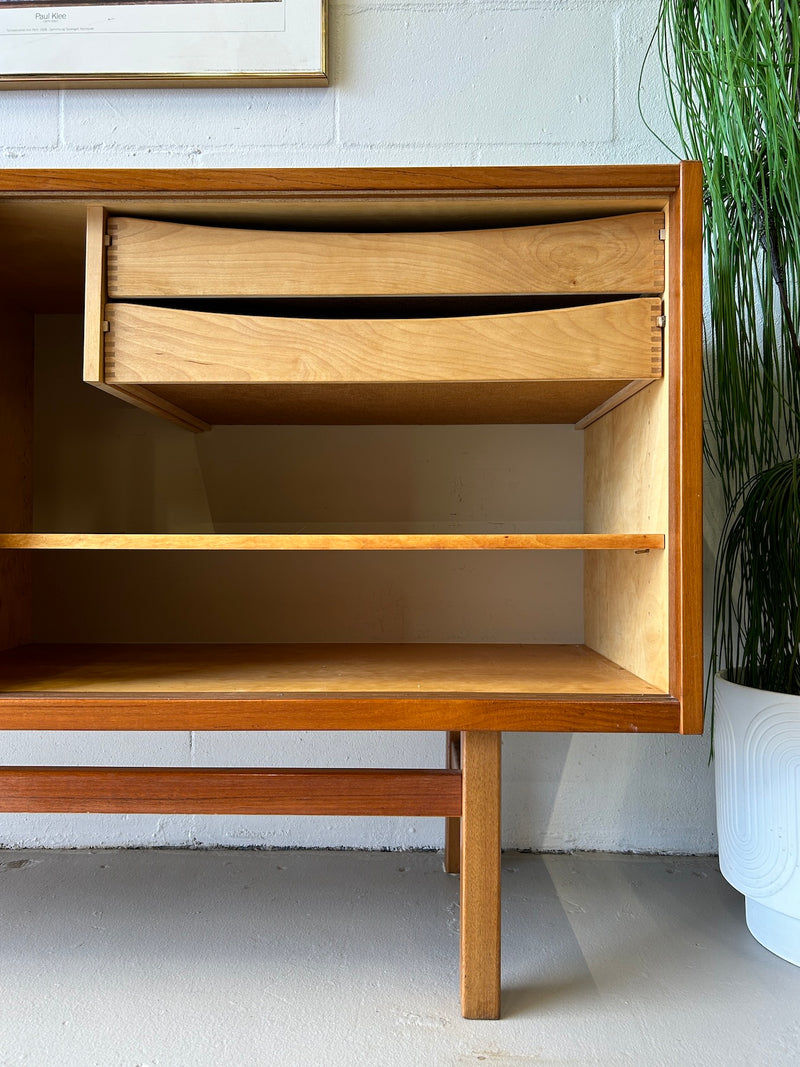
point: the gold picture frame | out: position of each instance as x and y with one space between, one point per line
138 44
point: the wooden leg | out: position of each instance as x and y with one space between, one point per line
480 875
452 826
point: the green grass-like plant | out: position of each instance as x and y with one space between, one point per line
732 74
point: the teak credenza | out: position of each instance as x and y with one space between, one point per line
365 296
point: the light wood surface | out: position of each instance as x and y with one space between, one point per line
625 393
643 464
393 403
619 339
241 791
480 875
95 326
16 470
42 211
626 479
315 668
149 258
333 542
94 295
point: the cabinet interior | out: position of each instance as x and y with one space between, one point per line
104 504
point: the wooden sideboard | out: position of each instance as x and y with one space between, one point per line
367 296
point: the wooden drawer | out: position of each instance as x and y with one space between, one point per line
621 254
271 366
618 340
361 352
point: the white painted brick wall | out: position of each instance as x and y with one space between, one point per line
414 82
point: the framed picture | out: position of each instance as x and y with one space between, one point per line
94 44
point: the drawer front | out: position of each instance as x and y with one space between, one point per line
619 255
616 340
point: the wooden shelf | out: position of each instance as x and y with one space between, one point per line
294 542
325 687
315 668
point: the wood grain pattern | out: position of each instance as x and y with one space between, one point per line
625 393
223 183
16 470
480 875
152 344
94 295
51 202
490 196
332 542
626 479
150 258
686 417
364 711
241 791
393 403
325 669
95 325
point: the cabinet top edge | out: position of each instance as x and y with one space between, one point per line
91 183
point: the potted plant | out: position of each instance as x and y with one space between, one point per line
732 71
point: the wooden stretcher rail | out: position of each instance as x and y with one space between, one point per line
221 791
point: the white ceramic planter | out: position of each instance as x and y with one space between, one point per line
757 764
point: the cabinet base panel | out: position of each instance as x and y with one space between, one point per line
326 687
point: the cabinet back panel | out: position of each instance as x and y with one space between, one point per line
16 488
307 597
103 465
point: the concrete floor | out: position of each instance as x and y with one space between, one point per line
228 958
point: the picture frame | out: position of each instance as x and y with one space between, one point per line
97 44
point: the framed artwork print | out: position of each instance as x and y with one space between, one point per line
93 44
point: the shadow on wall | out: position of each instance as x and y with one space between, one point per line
640 793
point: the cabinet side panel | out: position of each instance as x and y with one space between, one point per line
16 483
684 252
95 295
626 609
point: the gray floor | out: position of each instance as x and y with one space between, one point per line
187 959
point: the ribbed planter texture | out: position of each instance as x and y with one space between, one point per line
757 763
